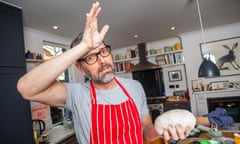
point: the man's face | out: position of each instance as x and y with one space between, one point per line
102 71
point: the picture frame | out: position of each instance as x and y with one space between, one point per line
160 60
224 53
175 75
197 85
219 85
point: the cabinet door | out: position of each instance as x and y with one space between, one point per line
70 140
11 36
16 124
151 81
171 106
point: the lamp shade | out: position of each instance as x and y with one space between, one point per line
208 69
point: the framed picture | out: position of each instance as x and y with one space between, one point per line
219 85
175 75
197 85
160 60
225 54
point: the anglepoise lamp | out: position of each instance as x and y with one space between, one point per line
207 68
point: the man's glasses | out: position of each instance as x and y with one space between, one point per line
92 58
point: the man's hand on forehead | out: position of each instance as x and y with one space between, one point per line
92 37
94 50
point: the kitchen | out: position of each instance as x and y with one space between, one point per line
34 38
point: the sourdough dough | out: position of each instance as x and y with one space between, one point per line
173 117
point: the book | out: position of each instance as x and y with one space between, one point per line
178 57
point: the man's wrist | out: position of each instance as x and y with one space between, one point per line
79 50
150 134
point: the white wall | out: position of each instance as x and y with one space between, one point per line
34 41
182 85
191 45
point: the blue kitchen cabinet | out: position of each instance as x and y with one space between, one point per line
15 121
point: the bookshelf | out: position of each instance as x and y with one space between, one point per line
122 66
164 54
168 58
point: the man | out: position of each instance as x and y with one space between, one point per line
106 109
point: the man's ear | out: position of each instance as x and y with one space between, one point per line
79 67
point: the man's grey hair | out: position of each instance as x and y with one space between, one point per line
77 40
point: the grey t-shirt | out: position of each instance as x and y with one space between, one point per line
79 102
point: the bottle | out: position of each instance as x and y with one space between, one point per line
35 137
236 138
128 53
187 94
133 54
65 124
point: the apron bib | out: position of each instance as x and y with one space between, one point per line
115 123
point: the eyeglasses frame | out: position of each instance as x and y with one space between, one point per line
96 54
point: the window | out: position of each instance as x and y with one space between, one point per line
51 50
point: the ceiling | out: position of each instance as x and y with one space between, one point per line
150 19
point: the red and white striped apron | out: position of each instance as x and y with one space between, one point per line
115 123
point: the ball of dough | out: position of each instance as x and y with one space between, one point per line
173 117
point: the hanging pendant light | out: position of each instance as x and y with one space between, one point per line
207 68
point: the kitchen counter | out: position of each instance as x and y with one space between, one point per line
59 133
203 135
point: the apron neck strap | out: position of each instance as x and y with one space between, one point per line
93 91
123 88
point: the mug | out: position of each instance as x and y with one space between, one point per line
236 138
45 137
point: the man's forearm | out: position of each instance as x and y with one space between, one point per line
149 132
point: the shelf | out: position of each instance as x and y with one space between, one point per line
120 72
161 57
148 56
170 65
125 60
165 53
34 60
217 91
123 66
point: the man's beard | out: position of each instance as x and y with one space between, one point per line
105 78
